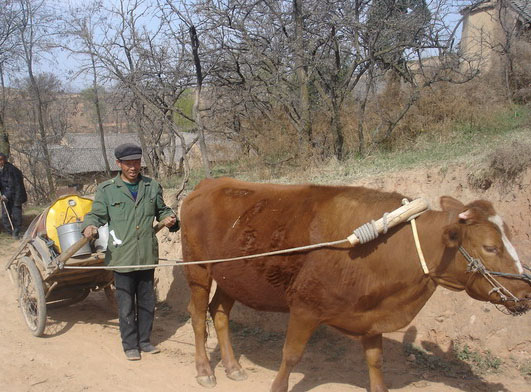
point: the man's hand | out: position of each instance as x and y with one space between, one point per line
169 221
4 198
90 231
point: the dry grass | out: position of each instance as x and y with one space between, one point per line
441 110
522 71
504 165
448 123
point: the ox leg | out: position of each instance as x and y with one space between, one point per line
200 283
372 345
220 308
300 328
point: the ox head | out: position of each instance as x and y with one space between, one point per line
488 266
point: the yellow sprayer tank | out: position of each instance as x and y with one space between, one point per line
66 209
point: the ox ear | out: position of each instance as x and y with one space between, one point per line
465 214
452 235
449 204
471 215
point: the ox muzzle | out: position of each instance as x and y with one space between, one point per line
514 305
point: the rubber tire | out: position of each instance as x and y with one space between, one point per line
37 322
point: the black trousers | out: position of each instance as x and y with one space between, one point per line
136 306
15 212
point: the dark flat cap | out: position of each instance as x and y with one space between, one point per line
128 152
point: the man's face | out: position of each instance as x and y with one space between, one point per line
130 169
2 161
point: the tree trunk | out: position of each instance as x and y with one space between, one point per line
197 102
140 133
361 116
4 138
337 129
302 75
42 133
98 115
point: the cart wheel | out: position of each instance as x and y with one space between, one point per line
31 296
60 303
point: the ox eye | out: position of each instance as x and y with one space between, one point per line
490 249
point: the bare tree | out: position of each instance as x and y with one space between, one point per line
8 47
33 26
176 32
138 60
56 110
252 70
513 47
278 54
78 27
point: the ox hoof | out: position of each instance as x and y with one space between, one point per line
237 375
206 381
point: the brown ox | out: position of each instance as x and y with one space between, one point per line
363 291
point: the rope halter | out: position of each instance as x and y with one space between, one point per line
475 265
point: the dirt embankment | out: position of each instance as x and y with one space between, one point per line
81 349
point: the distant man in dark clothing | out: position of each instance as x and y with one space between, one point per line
13 196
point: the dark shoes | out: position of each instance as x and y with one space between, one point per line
132 355
149 348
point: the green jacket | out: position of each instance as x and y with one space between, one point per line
134 241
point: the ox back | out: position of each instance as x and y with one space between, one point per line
379 285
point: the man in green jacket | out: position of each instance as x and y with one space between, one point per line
130 203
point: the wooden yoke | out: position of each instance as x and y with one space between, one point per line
395 217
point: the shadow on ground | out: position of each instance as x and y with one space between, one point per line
333 358
95 309
172 314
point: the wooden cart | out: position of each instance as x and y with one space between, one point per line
37 270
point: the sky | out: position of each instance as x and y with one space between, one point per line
62 62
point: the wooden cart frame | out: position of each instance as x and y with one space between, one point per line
43 283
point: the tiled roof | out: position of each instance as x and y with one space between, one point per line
77 160
523 8
81 152
112 140
478 6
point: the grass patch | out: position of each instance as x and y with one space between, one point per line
481 362
5 240
524 368
464 363
448 367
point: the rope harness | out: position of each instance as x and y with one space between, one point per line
368 231
181 262
363 234
476 266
